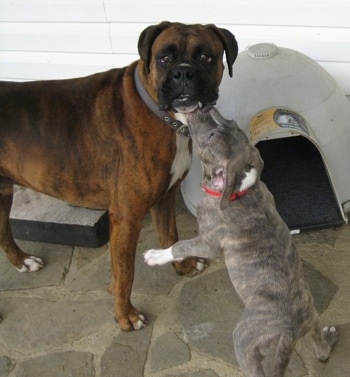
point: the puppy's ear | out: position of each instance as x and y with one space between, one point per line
230 45
229 177
233 172
147 38
256 161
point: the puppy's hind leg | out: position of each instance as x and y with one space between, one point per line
22 261
247 351
324 339
253 336
284 352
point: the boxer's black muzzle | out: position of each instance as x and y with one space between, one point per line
185 88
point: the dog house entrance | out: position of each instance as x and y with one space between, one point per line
296 176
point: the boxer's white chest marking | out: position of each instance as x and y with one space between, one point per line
183 157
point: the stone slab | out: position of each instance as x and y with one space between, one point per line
65 364
165 345
38 217
126 356
322 289
50 324
201 373
209 309
6 366
90 269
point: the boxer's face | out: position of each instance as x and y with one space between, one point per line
185 64
188 69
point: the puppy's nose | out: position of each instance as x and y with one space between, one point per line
183 73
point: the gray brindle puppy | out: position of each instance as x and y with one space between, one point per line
237 216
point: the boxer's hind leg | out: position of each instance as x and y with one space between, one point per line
22 261
163 216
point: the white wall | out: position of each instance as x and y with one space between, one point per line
66 38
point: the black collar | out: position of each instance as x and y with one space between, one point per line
153 106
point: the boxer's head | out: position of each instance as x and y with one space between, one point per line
182 65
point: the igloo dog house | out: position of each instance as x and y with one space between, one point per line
296 115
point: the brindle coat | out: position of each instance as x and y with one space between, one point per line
93 142
260 254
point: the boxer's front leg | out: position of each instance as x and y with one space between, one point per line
181 250
124 233
163 217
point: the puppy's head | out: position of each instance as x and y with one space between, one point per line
182 65
230 162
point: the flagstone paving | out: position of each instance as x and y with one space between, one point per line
58 322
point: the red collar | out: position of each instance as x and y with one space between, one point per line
218 194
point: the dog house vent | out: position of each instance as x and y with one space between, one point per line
296 115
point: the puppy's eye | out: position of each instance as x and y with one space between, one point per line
211 136
204 58
165 59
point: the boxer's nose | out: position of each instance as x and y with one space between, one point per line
183 73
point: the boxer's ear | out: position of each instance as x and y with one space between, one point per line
146 40
230 45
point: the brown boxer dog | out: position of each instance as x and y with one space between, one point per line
113 140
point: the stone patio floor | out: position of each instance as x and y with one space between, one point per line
58 322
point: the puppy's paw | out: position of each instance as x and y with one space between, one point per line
158 257
31 264
191 266
330 336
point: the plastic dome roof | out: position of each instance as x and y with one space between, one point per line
269 80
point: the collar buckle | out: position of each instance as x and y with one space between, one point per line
184 130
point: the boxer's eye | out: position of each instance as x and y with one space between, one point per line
165 59
205 58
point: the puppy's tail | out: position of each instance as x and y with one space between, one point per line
284 352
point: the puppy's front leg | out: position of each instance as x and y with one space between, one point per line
158 257
179 251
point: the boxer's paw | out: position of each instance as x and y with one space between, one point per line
140 322
135 321
158 257
31 264
191 266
